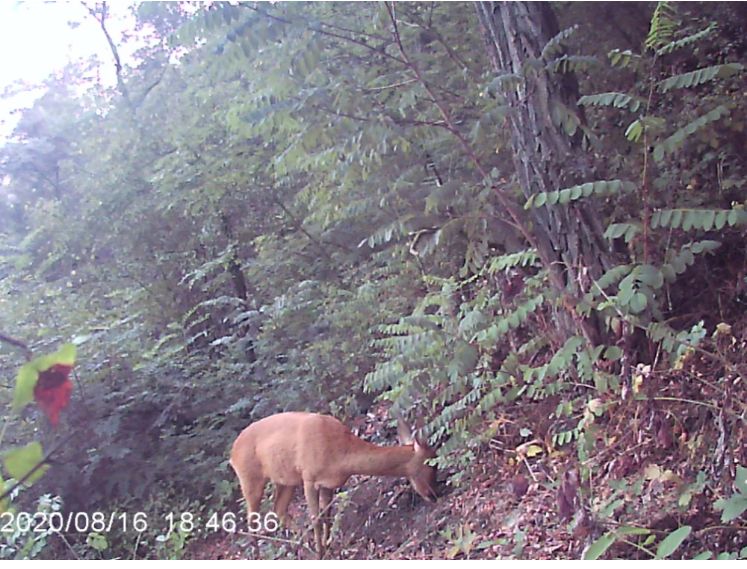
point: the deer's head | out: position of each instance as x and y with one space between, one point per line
422 476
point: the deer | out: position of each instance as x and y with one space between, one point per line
319 453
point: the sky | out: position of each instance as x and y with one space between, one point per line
36 40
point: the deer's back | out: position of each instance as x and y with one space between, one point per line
290 447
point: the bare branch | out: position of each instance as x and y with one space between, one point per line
17 343
100 17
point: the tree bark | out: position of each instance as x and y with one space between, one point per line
545 157
240 286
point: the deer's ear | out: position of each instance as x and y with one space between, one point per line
421 447
404 433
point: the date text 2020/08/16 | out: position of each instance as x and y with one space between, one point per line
100 522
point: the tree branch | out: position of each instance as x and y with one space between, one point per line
504 200
100 17
17 343
377 49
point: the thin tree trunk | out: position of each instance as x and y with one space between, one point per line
240 286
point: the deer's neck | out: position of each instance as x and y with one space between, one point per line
373 460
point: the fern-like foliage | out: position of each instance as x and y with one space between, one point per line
572 64
625 59
698 219
615 100
626 230
663 26
700 76
526 258
567 195
686 41
672 143
504 82
439 355
678 261
555 45
390 232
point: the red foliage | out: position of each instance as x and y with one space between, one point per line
52 391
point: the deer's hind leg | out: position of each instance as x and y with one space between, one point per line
283 496
252 488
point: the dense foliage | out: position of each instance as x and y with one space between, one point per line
505 220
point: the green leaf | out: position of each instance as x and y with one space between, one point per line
28 375
700 76
668 272
709 216
616 100
555 45
25 383
720 219
616 230
613 353
634 131
5 502
638 303
625 295
670 543
659 153
649 275
732 507
599 547
599 188
65 355
97 541
632 530
741 479
677 139
19 462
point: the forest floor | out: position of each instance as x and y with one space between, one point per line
657 462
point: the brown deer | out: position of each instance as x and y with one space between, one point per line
319 453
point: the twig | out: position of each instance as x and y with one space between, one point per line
644 173
137 544
100 17
529 468
270 537
299 227
378 50
18 344
393 85
66 542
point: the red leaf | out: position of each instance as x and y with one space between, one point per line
52 391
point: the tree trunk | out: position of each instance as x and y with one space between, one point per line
240 285
546 158
234 264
